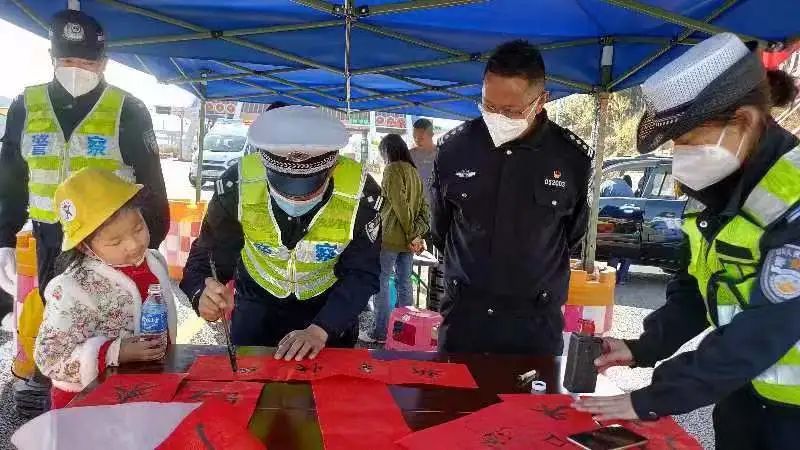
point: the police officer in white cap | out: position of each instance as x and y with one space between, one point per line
741 274
296 226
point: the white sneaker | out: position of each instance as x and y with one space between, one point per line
7 324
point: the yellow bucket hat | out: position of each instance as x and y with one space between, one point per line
85 200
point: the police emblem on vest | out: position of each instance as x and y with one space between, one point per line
52 158
726 268
307 270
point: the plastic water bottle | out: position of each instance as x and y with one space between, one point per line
154 313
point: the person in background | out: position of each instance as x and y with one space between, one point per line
93 310
297 227
617 187
424 153
741 271
509 205
76 120
405 218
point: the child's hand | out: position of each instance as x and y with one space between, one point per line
142 348
215 300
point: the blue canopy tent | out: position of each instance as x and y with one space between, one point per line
422 57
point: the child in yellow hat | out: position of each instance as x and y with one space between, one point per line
93 310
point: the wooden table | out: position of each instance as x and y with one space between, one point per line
285 417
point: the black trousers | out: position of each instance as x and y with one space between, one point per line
744 421
265 322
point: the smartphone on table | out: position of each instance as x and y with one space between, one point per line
612 437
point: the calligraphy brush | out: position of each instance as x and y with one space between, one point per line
228 343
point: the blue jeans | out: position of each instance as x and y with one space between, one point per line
400 264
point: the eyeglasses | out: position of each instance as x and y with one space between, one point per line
510 113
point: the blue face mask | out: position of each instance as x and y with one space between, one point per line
296 208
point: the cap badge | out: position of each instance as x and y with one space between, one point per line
73 32
297 156
67 210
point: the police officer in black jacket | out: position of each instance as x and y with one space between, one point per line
297 231
509 203
78 51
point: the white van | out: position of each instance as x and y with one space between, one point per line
223 146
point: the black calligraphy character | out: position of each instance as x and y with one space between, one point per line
497 438
557 413
246 370
427 373
366 367
128 393
201 434
554 440
314 369
231 397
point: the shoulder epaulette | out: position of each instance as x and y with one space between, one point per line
450 134
227 182
578 142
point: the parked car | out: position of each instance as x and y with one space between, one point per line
223 146
645 228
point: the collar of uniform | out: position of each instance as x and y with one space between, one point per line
59 95
774 143
533 138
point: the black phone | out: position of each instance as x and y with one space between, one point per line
613 437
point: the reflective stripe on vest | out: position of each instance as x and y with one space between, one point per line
727 268
307 270
51 159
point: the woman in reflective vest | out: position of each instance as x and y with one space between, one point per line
741 273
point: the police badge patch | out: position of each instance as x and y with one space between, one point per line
73 32
780 278
150 141
373 227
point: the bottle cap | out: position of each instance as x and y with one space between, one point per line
154 289
539 387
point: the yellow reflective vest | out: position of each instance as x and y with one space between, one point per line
726 268
52 158
307 270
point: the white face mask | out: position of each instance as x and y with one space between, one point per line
94 255
77 81
503 129
700 166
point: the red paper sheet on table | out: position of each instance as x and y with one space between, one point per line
404 371
503 425
211 426
218 368
663 434
128 388
357 414
242 395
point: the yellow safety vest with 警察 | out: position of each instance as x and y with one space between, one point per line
727 268
51 157
307 270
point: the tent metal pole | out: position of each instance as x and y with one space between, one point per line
233 76
183 74
348 31
443 89
147 69
319 5
601 99
408 39
229 33
233 40
415 5
269 91
677 19
279 80
28 12
660 52
201 135
415 65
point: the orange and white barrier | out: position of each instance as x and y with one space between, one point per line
28 306
186 217
590 298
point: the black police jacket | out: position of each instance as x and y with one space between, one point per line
139 150
507 219
729 357
259 317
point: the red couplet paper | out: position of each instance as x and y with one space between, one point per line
211 426
501 426
129 388
404 371
218 368
355 413
336 361
663 434
242 395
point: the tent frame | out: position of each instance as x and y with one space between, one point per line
350 16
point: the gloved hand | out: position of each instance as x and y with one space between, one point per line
8 270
